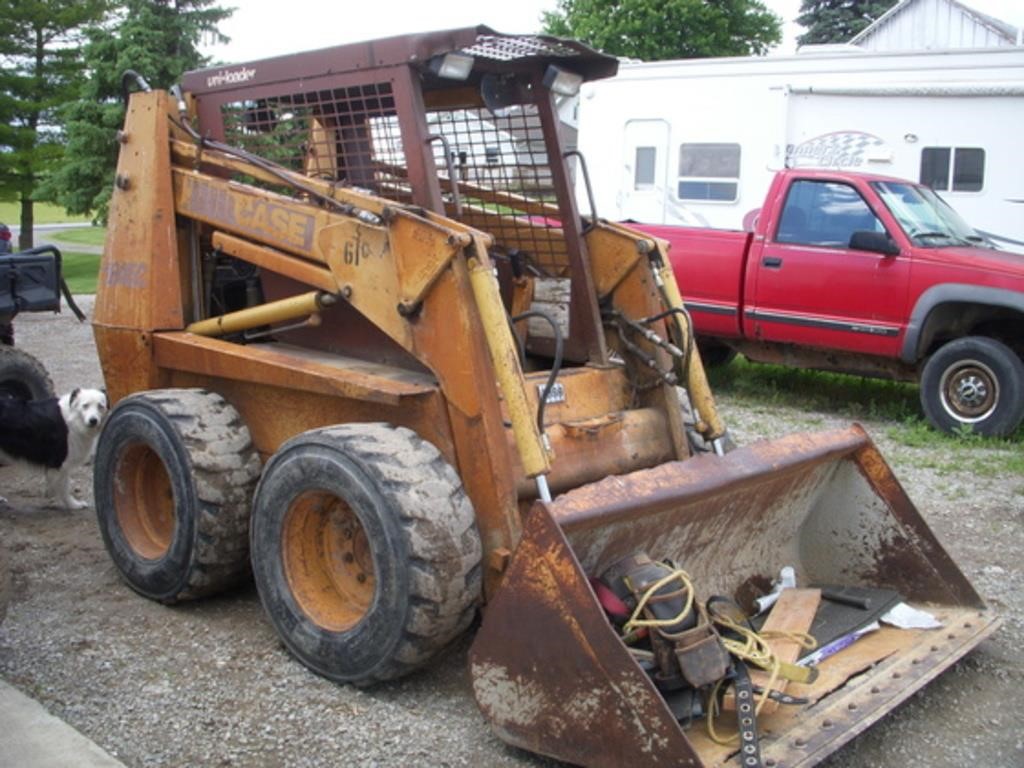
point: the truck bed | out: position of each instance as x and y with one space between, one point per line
709 265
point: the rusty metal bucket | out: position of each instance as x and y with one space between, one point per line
552 676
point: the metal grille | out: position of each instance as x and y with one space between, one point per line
507 48
504 180
347 135
351 136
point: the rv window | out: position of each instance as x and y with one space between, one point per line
643 169
709 172
824 213
935 167
966 171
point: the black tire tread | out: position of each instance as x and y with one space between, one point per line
434 512
225 469
18 365
1007 416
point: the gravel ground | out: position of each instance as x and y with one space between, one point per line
209 684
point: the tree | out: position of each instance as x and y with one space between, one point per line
159 39
39 71
653 30
838 21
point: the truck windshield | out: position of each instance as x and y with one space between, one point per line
926 218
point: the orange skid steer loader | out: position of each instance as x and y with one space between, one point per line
364 345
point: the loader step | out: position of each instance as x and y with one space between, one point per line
293 367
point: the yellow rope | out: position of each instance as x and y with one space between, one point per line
754 650
636 622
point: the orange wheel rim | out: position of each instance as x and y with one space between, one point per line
144 501
327 560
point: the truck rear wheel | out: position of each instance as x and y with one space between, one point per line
714 354
974 382
22 376
174 476
365 551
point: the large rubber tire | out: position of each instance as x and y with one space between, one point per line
22 376
974 382
365 551
175 472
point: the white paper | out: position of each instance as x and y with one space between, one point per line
906 617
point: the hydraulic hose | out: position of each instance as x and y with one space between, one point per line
556 365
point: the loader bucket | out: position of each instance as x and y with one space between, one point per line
552 676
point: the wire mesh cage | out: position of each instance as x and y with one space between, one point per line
492 168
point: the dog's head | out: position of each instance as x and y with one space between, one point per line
84 408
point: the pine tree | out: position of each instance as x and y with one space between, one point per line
40 69
654 30
838 21
159 39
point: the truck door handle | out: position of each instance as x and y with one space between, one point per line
773 262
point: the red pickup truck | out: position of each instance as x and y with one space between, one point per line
869 275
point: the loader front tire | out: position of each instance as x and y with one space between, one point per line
365 551
174 475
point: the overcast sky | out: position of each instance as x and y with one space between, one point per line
262 28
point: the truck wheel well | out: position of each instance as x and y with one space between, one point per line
954 320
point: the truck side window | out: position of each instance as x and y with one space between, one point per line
709 172
824 213
957 169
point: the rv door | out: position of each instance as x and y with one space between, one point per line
645 170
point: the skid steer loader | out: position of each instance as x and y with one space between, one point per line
363 343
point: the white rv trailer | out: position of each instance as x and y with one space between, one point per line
695 142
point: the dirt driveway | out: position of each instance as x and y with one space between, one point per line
209 684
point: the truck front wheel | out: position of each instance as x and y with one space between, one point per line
975 382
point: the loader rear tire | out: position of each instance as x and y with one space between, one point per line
174 475
697 442
22 376
365 551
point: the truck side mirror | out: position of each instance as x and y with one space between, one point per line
876 242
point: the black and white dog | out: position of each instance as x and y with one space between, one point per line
56 434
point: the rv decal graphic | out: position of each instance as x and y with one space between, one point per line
841 149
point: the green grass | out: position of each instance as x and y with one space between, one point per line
81 271
81 235
43 213
815 391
